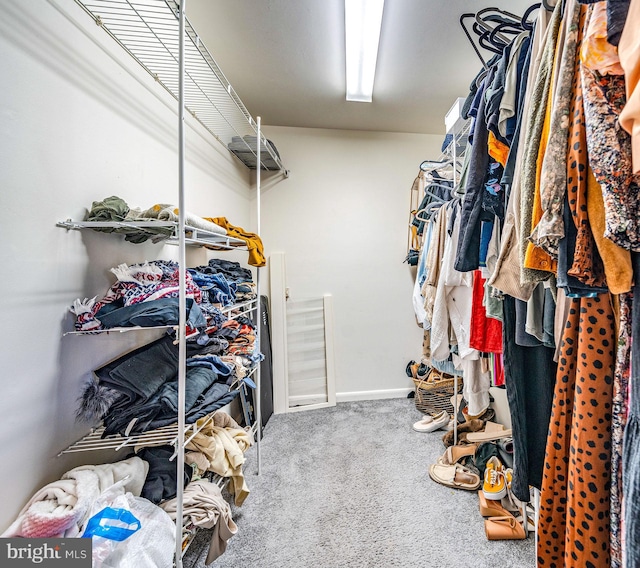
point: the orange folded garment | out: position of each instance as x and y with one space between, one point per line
254 242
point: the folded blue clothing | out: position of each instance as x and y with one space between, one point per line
198 380
140 373
218 289
231 270
210 346
217 396
212 362
141 415
164 311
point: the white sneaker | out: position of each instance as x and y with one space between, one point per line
439 421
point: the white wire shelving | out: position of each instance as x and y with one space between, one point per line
452 154
109 330
165 436
193 235
149 31
240 309
232 311
158 36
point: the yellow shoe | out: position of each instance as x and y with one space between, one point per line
495 483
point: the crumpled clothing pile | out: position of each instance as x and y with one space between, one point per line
219 447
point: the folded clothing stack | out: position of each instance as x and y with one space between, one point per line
147 294
139 391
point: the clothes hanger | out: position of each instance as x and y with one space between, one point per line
495 30
484 42
499 24
526 24
481 77
493 34
429 165
463 17
429 211
507 28
437 170
497 15
483 73
440 185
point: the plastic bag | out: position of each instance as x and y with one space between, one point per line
152 546
109 527
130 532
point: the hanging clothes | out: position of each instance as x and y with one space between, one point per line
574 505
610 156
631 441
550 227
486 333
617 11
468 249
529 373
506 276
450 323
533 139
629 52
616 260
618 424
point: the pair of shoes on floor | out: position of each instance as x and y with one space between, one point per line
505 527
454 475
430 423
497 479
460 407
488 415
504 523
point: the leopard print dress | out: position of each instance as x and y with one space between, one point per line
573 530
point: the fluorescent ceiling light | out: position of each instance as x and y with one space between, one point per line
363 19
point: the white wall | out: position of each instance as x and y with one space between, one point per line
80 121
341 219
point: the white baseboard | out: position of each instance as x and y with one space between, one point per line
372 395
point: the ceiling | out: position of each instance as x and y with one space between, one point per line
285 59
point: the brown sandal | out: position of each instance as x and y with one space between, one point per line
504 528
453 454
491 508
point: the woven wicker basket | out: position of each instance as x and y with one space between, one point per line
434 392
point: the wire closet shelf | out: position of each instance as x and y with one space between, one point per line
149 31
167 435
193 235
232 311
